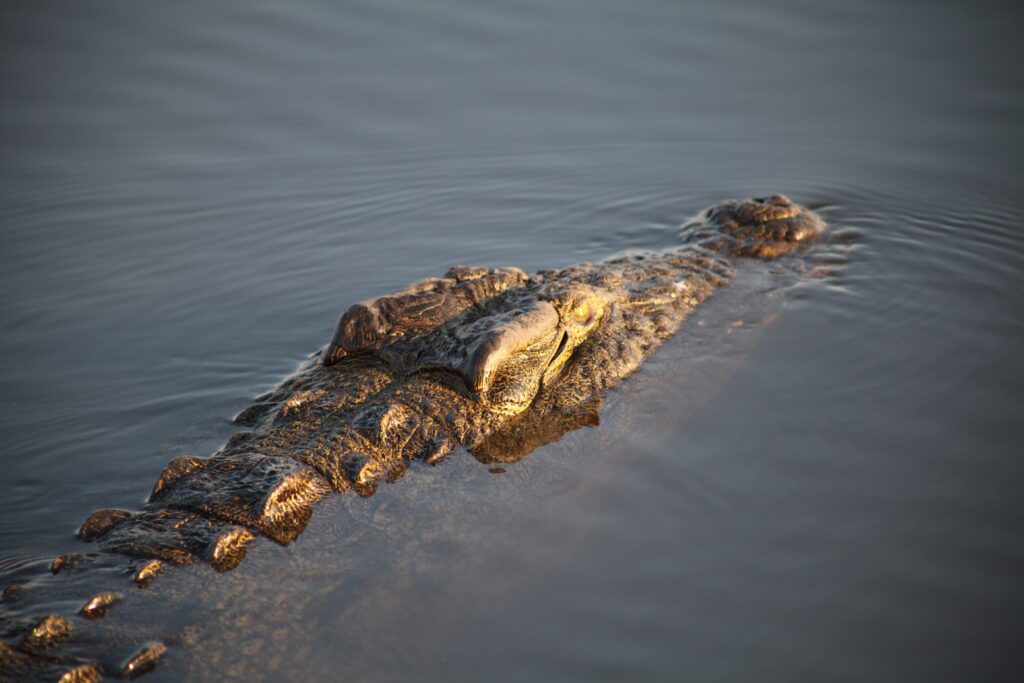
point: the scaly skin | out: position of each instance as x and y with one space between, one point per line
490 360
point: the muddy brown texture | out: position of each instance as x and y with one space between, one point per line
492 361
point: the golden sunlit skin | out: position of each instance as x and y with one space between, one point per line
489 360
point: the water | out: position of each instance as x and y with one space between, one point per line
191 192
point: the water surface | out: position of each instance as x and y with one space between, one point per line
191 192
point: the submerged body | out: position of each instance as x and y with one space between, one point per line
490 360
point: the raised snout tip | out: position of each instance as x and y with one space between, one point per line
764 227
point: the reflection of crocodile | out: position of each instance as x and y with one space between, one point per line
491 360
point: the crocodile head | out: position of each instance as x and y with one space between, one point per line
508 335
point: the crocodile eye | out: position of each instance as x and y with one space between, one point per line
583 313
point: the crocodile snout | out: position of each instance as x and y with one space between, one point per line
763 227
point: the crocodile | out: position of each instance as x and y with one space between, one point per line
492 361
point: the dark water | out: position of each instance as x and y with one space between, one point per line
191 192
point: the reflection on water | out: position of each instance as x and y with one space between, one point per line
190 194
